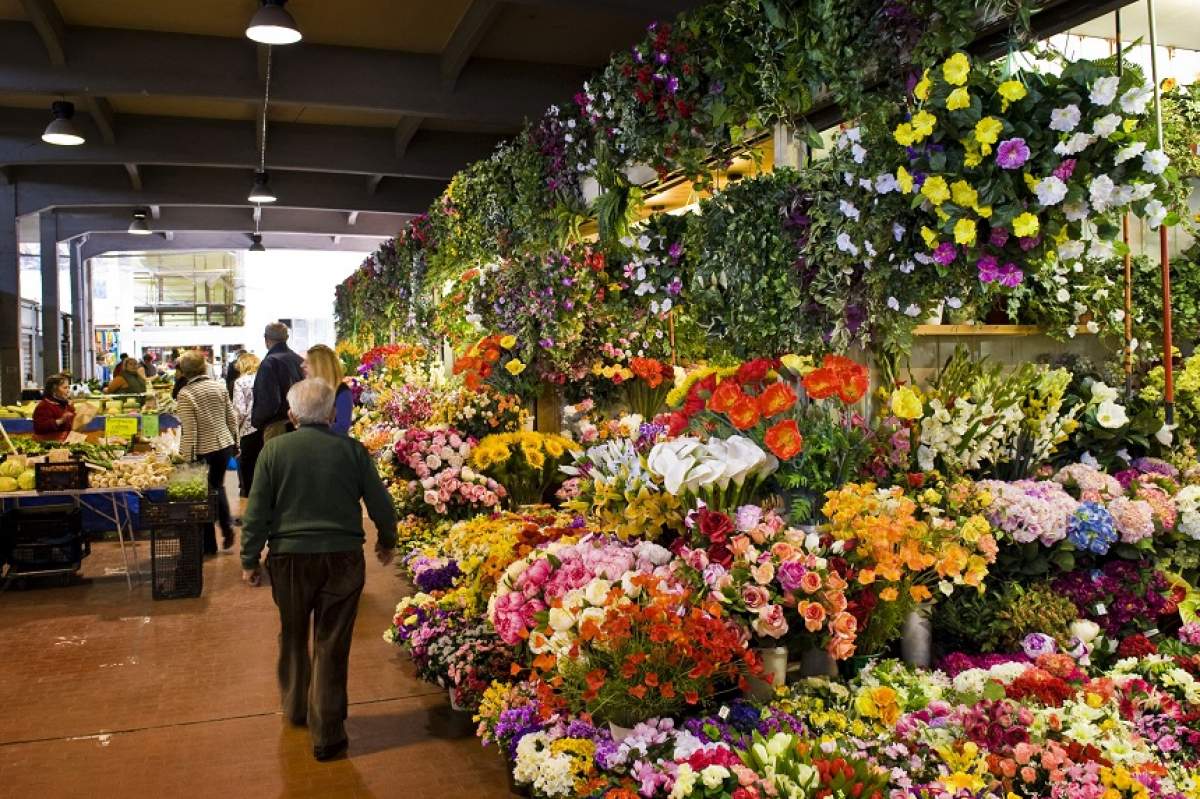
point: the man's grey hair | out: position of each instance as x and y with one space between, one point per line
311 401
276 332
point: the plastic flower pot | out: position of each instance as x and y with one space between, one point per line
775 665
916 637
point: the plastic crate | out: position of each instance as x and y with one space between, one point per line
42 521
48 554
168 514
65 476
177 561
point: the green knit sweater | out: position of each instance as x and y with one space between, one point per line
305 497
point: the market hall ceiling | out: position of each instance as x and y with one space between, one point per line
373 112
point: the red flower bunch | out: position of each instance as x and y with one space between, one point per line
750 398
652 371
1039 684
837 375
1136 646
390 355
479 361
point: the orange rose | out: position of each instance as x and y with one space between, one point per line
778 398
810 583
844 625
744 413
784 440
841 648
813 615
726 395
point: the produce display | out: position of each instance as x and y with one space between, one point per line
190 490
140 473
764 556
16 474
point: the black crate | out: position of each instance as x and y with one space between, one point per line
65 476
168 514
48 554
177 561
42 521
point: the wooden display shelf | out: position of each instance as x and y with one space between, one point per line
976 330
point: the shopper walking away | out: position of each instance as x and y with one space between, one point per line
250 439
54 415
304 505
208 432
322 362
276 374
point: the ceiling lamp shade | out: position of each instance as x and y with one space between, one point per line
138 226
62 129
256 244
261 192
272 24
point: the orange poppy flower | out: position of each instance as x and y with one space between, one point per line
778 398
821 383
725 397
854 385
744 413
784 440
648 370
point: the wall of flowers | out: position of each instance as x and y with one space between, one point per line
759 558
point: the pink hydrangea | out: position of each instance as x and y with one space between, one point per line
1134 519
1089 483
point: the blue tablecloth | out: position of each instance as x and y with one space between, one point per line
165 422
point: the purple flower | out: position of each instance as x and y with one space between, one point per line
1029 242
661 57
855 316
945 253
675 250
674 287
672 84
1010 275
748 517
546 343
1012 154
989 269
789 575
998 237
1037 644
716 87
1064 170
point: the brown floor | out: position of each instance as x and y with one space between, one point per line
106 693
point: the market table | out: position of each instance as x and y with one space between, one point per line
119 497
166 421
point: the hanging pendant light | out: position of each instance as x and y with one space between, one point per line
138 226
272 24
256 244
261 192
62 129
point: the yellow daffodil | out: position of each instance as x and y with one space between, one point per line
904 180
956 69
988 130
903 134
958 99
923 123
962 194
984 211
921 90
508 342
935 190
906 403
930 236
1026 225
964 232
514 367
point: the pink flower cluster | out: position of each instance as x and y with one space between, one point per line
459 486
424 452
1030 510
1134 519
1089 484
1161 504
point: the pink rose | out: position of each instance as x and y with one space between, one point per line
783 550
763 573
770 622
755 597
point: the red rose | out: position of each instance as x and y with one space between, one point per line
714 526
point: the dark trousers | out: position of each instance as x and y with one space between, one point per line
321 589
218 464
251 445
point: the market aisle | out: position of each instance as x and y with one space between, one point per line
107 694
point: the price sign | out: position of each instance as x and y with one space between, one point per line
150 426
120 426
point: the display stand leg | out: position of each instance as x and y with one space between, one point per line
121 538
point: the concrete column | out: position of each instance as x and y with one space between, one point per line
80 300
10 297
51 314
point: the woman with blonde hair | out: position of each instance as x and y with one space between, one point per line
249 438
323 362
208 431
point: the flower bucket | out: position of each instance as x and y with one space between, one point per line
816 662
619 733
916 638
455 706
515 788
775 666
854 666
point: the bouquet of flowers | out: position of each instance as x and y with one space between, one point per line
525 463
1124 597
438 481
480 413
391 357
479 658
724 473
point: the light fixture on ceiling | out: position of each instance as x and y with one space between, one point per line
138 226
62 129
261 192
272 24
256 244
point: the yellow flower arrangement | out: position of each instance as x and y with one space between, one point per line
525 462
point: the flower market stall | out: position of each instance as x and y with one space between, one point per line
690 511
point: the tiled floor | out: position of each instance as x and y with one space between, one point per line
106 693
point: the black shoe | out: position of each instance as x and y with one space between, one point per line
227 540
301 721
331 752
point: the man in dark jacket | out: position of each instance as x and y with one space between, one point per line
276 375
304 505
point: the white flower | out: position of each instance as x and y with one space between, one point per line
1065 119
1077 211
1093 326
1076 144
1165 434
1155 162
1088 459
845 245
1134 101
848 209
913 310
560 620
1104 90
596 591
893 303
1101 192
1101 250
897 231
1133 150
954 302
866 184
854 134
886 183
1155 213
1051 190
1086 631
906 267
1062 295
1070 250
713 776
859 153
1106 125
1141 191
1111 416
1102 392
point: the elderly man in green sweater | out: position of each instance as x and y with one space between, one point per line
304 505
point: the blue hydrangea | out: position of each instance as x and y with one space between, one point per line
1091 528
